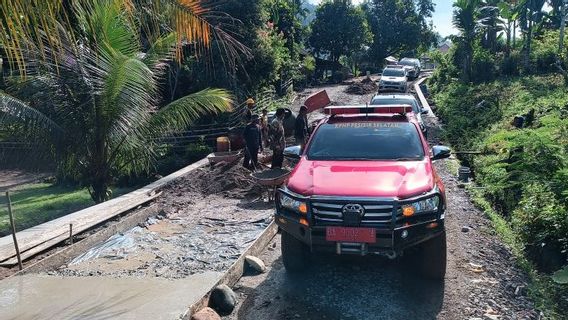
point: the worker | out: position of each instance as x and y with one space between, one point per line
250 107
277 138
264 126
301 130
253 143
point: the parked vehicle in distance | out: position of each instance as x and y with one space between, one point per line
413 67
402 99
365 184
393 79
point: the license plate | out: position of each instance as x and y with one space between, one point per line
357 235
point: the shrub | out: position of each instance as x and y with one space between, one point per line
542 223
511 65
483 65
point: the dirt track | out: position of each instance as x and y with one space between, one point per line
482 281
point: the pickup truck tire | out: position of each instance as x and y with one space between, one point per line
294 253
432 257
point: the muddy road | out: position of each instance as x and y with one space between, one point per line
482 281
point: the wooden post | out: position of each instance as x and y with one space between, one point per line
70 233
13 224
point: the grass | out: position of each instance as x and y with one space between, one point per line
541 288
36 203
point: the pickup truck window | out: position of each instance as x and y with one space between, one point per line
393 73
397 141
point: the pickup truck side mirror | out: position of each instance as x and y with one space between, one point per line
294 152
424 111
440 152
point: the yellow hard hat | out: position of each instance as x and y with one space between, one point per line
250 101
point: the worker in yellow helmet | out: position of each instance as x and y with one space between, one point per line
250 106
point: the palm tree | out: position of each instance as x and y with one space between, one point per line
465 19
490 22
530 13
89 76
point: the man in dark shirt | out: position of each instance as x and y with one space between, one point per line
301 130
253 140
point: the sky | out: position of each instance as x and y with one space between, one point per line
442 16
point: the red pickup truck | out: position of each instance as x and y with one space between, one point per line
365 184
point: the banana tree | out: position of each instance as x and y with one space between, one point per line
88 87
510 14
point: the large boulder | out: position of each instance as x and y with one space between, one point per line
223 299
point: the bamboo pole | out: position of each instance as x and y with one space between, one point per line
13 224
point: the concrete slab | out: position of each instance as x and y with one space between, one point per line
53 297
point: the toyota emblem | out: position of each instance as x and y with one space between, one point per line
352 209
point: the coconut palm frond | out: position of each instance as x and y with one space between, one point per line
184 111
13 110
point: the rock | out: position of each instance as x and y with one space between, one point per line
206 314
465 229
223 299
255 263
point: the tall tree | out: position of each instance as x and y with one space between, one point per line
340 28
465 18
399 26
88 90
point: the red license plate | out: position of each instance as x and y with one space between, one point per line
343 234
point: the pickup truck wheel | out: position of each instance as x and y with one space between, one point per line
433 257
294 253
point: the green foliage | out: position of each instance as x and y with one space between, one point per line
561 276
523 172
483 65
396 25
540 219
339 29
545 51
96 109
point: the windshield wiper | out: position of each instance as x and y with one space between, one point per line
406 159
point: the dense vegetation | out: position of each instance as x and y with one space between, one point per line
91 86
506 96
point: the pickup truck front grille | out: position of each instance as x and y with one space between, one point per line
330 213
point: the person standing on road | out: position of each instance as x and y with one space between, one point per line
253 141
277 139
250 107
301 130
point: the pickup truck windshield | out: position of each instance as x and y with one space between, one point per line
397 141
393 73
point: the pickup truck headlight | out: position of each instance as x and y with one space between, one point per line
293 204
422 206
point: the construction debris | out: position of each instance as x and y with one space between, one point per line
363 87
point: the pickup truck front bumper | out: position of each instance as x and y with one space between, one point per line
394 234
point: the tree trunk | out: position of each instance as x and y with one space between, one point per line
514 34
100 190
508 45
528 40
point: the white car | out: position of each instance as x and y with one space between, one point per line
393 79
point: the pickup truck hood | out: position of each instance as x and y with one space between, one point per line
399 179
